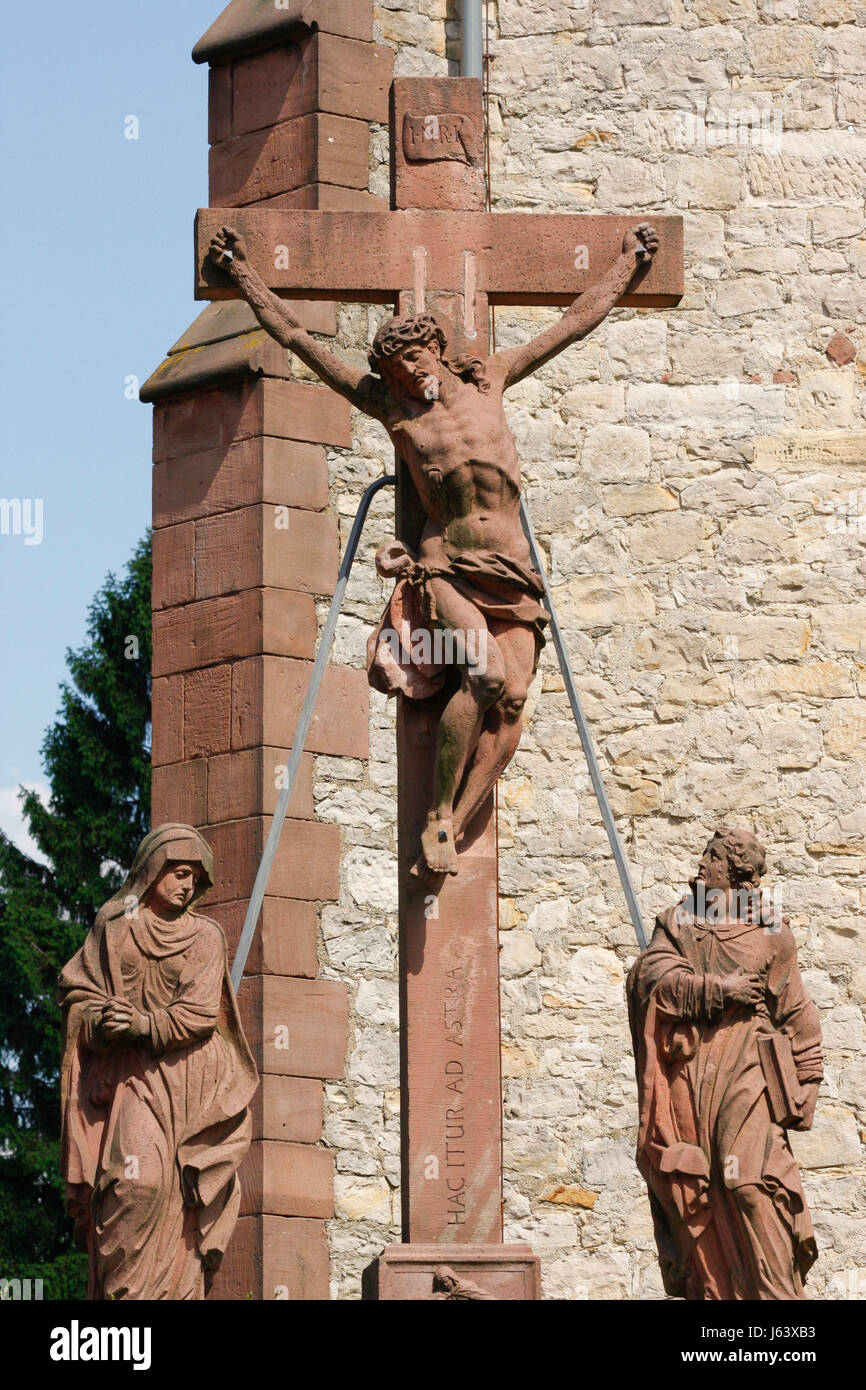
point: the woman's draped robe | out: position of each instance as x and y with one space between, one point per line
728 1205
154 1130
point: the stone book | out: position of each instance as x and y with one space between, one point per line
780 1074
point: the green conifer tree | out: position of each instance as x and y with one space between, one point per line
97 759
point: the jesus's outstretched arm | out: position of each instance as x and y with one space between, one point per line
228 251
587 311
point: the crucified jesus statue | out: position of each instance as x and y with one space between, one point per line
471 585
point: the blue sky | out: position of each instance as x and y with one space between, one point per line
98 273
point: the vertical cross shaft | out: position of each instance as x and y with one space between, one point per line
449 953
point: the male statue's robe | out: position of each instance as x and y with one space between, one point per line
728 1205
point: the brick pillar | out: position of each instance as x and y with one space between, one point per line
290 108
243 545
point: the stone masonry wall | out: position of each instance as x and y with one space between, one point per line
697 478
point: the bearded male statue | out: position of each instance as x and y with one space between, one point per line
727 1047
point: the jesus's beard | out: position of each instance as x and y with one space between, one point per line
431 388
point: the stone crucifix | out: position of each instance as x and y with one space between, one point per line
460 561
471 576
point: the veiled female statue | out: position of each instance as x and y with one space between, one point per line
727 1048
157 1079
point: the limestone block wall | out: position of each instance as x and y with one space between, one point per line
697 478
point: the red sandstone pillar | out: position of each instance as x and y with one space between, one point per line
243 544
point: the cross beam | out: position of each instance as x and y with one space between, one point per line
369 257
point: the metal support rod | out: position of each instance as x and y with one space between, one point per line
471 39
306 719
586 739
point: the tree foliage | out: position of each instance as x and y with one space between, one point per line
97 760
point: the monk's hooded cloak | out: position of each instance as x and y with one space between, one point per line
154 1129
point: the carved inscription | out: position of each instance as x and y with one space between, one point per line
454 1011
432 137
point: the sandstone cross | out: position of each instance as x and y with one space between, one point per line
439 252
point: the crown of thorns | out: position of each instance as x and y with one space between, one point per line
399 333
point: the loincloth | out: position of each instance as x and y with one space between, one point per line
500 588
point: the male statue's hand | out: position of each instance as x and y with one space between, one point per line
642 242
807 1106
227 249
742 988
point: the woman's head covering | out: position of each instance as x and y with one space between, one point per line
167 844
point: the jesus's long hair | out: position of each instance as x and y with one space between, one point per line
399 333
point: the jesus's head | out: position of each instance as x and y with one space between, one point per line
408 353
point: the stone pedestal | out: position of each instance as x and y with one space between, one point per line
454 1273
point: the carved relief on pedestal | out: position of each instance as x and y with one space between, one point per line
430 137
449 1288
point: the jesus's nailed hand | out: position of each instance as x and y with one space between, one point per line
643 242
227 249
